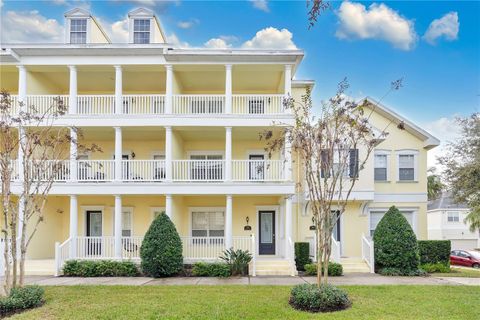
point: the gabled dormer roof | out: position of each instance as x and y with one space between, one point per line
429 140
77 12
147 13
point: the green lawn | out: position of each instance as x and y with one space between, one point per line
251 302
459 272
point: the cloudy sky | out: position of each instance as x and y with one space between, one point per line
433 45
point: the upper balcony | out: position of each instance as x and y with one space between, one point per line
156 91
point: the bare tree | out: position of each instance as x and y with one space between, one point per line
42 149
333 147
316 8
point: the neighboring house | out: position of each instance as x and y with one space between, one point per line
179 131
446 222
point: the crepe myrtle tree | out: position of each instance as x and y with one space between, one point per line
42 147
328 146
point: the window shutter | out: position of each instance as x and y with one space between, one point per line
353 172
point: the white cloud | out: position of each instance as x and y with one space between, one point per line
29 26
188 24
377 22
446 129
260 5
271 38
217 43
173 39
447 27
117 31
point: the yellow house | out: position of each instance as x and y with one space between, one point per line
179 130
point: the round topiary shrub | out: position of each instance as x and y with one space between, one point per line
326 298
395 244
161 250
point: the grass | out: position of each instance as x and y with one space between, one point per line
251 302
459 272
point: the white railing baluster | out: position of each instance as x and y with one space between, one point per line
258 170
96 104
95 170
368 253
199 104
198 170
257 104
143 170
44 104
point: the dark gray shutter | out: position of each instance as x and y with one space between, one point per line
323 164
353 172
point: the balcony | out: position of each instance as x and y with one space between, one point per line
155 104
140 171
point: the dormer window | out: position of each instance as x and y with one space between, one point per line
78 31
141 31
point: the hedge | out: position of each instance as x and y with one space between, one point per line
326 298
100 268
434 251
334 269
204 269
21 299
302 255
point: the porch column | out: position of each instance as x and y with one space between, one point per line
288 157
118 227
228 88
168 153
228 153
118 153
168 206
228 223
72 100
22 85
73 154
288 227
169 89
118 90
73 226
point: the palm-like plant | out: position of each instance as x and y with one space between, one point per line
238 260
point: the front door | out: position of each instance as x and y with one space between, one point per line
266 221
256 170
94 233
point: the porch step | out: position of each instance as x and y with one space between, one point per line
273 267
40 267
354 264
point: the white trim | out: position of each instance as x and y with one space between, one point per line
387 153
206 153
407 152
192 209
157 153
400 197
84 210
154 209
275 208
250 152
124 208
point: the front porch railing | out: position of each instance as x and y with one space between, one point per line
258 170
198 170
368 253
143 170
257 104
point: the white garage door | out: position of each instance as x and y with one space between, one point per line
463 244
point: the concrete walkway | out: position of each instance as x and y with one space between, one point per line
348 279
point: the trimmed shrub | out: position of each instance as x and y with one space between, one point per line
434 251
100 268
435 267
203 269
21 299
326 298
161 250
302 255
395 244
334 269
237 260
399 272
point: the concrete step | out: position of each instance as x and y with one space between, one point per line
273 267
354 264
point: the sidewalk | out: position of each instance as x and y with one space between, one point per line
348 279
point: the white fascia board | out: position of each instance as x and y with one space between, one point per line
175 120
360 195
8 56
401 197
303 83
175 188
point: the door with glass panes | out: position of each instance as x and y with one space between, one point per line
211 168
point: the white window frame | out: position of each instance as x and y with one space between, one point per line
191 210
156 209
407 152
150 33
84 210
129 209
413 210
69 26
387 154
457 216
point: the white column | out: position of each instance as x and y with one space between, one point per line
288 79
228 88
228 223
168 153
228 153
168 206
73 154
288 227
118 90
169 89
118 153
22 84
118 227
288 157
72 100
73 226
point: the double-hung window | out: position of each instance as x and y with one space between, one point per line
381 167
377 215
78 31
453 216
141 31
407 166
208 223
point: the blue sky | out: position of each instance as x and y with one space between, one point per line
441 70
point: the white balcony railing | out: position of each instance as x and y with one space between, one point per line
143 103
96 170
44 104
143 170
258 170
198 104
50 170
257 104
96 104
198 170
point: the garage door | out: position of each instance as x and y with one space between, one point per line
464 244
